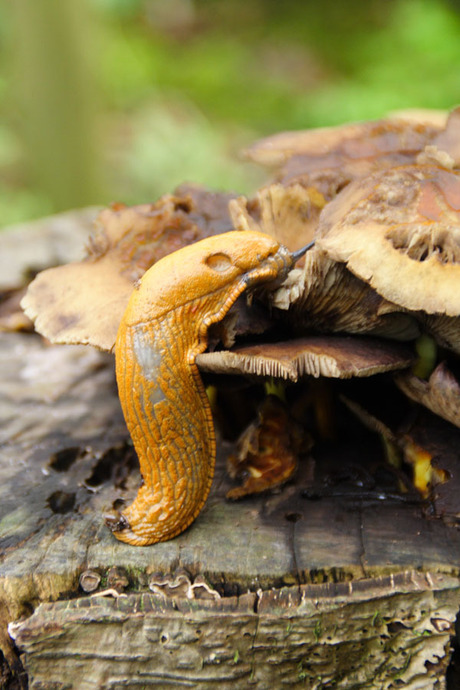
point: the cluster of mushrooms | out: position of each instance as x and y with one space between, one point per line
378 206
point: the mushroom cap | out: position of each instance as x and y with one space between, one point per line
353 140
440 394
329 158
399 230
330 356
445 146
427 116
288 214
83 303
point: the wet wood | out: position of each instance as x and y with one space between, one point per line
303 588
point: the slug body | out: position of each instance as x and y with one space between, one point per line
161 392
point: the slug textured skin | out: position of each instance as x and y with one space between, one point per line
161 392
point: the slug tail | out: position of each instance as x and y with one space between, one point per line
168 415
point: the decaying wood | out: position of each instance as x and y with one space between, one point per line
311 587
384 633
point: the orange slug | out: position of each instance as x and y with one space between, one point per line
162 395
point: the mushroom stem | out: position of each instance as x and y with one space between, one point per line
427 352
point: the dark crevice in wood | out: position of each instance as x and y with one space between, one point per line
114 465
12 675
62 502
293 546
453 671
362 554
62 460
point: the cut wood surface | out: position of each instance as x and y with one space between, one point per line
308 587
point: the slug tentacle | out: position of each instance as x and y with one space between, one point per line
162 395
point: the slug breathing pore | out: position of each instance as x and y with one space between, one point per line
163 398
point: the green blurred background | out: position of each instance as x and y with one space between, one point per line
107 100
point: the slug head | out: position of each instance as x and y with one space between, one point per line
205 271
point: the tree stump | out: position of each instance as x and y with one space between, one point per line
344 589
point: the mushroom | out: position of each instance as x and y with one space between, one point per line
326 297
445 147
288 214
399 231
334 294
268 449
440 393
84 302
328 158
329 356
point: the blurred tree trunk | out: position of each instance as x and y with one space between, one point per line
55 97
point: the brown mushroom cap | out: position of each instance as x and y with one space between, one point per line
331 157
334 357
399 230
426 116
440 394
354 140
84 302
288 214
445 147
